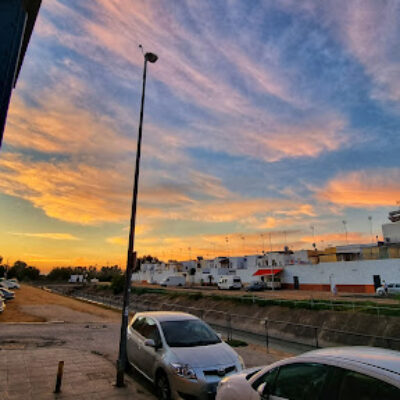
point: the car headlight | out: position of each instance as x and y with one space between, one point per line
184 370
241 362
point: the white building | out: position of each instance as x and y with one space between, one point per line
391 232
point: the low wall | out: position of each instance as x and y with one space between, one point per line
311 327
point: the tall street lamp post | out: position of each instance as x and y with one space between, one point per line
131 259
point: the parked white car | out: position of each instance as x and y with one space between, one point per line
174 280
393 288
180 354
337 373
2 304
11 284
230 282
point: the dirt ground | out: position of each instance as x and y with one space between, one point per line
36 305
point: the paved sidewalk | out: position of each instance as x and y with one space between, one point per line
30 374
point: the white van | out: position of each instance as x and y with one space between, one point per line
230 282
272 283
174 281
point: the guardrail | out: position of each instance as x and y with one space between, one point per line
265 329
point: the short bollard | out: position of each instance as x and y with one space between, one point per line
59 377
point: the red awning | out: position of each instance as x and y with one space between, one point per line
268 271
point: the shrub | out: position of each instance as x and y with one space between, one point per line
236 343
117 284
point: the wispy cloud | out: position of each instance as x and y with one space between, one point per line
336 239
119 240
366 188
371 31
49 235
69 192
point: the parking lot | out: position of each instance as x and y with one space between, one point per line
39 329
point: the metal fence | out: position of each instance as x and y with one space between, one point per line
260 330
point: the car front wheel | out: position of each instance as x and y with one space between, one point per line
162 387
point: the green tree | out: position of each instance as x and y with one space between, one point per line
106 274
117 284
60 274
22 271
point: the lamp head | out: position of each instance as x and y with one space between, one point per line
151 57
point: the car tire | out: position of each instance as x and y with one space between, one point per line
163 389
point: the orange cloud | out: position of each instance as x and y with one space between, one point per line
119 240
75 193
243 210
368 188
50 235
59 126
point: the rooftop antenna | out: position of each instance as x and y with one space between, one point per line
262 238
370 228
227 244
312 227
344 222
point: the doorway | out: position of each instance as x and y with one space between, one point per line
296 282
377 281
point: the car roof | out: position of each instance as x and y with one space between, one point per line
388 360
162 316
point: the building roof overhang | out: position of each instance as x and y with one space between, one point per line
268 271
32 9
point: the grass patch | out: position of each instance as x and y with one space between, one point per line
314 305
143 290
236 343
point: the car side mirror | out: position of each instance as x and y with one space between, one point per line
262 390
219 335
150 343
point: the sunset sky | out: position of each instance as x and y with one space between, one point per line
261 117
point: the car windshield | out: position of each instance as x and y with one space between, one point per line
188 333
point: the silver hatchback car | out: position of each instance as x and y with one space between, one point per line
180 354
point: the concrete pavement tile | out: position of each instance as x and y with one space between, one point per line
11 377
42 384
19 395
21 386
